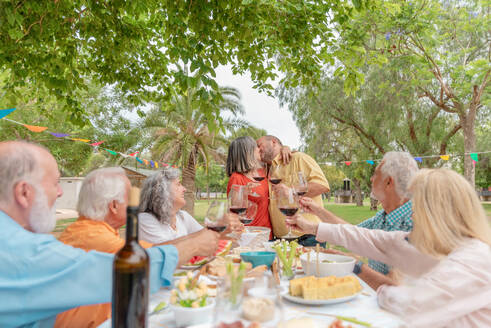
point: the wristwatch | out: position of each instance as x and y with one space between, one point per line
357 268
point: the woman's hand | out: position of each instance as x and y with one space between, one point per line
298 222
309 206
285 154
233 224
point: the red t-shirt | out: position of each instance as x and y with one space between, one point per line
262 215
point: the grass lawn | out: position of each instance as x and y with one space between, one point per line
487 208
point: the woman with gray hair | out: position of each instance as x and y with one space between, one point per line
161 217
161 201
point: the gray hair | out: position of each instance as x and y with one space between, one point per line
156 197
240 156
99 189
20 162
401 166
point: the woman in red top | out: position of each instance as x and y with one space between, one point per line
243 164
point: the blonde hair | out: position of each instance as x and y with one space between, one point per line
446 212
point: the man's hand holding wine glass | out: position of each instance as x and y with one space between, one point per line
299 223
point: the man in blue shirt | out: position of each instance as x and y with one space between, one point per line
389 186
40 276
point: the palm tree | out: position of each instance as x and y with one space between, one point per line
185 135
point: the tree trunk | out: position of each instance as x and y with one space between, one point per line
358 196
468 124
373 203
189 182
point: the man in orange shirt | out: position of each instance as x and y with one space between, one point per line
102 204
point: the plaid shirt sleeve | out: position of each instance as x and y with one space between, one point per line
371 222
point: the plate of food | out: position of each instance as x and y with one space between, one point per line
217 269
321 291
196 262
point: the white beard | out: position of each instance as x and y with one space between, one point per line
42 219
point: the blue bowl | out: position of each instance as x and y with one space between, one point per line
258 258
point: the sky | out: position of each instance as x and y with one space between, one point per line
261 110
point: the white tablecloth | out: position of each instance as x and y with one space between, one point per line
363 308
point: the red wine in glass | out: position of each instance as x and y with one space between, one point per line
289 211
258 179
275 180
238 210
245 220
216 228
301 193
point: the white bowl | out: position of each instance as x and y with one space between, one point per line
254 237
341 266
186 317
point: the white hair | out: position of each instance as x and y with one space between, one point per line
20 162
401 166
100 187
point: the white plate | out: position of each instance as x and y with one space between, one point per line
300 300
189 267
215 278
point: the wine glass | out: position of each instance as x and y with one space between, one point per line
250 213
287 202
258 177
274 174
301 186
238 199
215 216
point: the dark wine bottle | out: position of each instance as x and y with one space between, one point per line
131 269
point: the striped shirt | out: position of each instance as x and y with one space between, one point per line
397 220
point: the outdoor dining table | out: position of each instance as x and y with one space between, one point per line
363 308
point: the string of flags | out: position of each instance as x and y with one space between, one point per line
155 164
67 136
473 156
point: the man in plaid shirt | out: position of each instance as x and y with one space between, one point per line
389 186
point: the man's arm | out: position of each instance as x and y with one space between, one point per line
316 189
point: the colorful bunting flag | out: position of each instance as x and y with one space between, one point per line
59 135
165 164
96 143
111 152
474 157
151 163
133 154
370 162
347 163
473 163
5 112
174 166
418 159
139 160
82 140
445 157
35 128
157 165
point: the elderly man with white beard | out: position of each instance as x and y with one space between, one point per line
390 183
40 276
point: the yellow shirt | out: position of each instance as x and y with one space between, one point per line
90 235
300 162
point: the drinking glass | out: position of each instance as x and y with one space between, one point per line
238 199
287 202
258 177
300 186
215 216
250 213
275 174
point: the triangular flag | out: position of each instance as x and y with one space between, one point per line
133 154
96 143
474 163
34 128
82 140
474 157
139 160
165 164
174 166
347 163
59 135
157 165
418 159
151 163
445 157
111 152
370 162
5 112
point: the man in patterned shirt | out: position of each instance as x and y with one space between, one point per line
389 187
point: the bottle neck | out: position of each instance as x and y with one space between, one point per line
132 224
